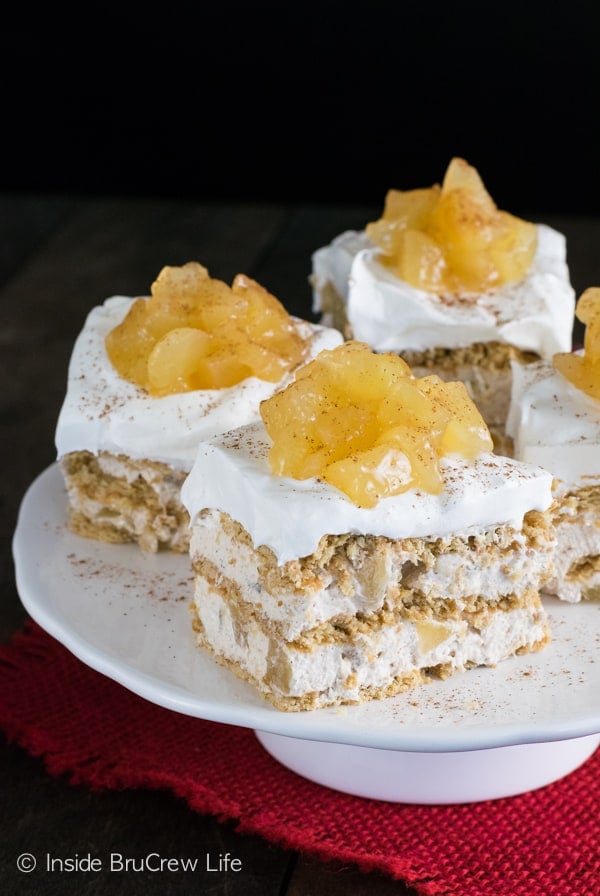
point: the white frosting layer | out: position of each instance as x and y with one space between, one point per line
232 473
333 263
104 412
554 424
535 314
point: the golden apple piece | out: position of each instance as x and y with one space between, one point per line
130 342
465 431
249 333
362 422
403 209
259 360
412 207
180 288
462 176
584 374
409 405
465 232
367 476
420 261
386 235
583 370
179 279
422 457
221 369
267 322
356 371
588 312
452 238
512 248
173 362
482 249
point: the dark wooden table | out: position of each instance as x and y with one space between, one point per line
60 256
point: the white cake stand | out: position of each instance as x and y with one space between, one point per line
483 734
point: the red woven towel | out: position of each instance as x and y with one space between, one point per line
544 843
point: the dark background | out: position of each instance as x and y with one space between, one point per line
328 101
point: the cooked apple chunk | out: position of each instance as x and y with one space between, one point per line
196 332
583 370
361 421
452 238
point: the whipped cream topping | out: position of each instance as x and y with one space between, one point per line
535 313
554 424
333 263
104 412
232 474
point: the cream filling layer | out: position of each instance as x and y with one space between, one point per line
374 580
339 671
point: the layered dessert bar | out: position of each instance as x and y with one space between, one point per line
361 538
457 286
149 377
554 420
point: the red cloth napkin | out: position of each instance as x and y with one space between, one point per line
84 725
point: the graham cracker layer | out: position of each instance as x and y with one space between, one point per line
406 627
576 519
118 499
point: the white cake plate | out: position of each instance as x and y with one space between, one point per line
482 734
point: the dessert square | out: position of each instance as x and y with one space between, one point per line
151 376
412 568
554 421
456 286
